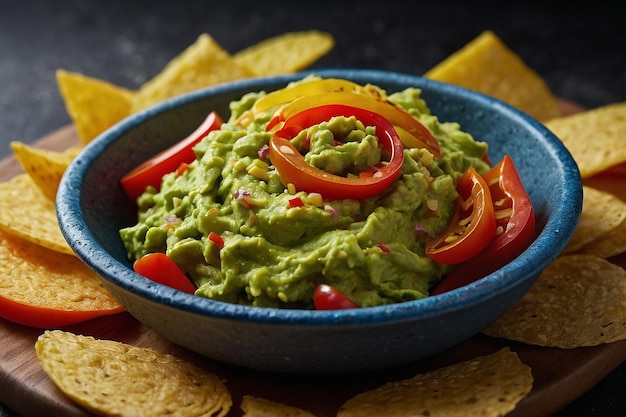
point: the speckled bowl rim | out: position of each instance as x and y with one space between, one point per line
531 262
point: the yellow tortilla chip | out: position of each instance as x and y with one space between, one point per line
612 243
614 184
26 212
488 66
578 300
111 378
608 245
595 138
260 407
93 104
490 385
601 213
201 65
43 288
73 151
45 167
286 53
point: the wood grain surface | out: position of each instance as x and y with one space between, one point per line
560 376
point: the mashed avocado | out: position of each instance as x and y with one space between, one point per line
274 252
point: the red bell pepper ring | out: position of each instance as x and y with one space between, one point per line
158 267
412 133
472 227
515 219
152 171
292 167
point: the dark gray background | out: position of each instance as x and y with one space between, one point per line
578 48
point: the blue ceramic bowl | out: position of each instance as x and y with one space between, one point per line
92 208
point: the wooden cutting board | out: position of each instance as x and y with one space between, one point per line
560 376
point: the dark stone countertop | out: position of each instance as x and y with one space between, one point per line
578 49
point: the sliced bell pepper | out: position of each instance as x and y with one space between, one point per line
285 95
515 219
292 167
472 227
415 134
151 171
158 267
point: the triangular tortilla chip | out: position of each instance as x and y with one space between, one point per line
286 53
595 138
93 104
45 167
488 66
202 64
25 212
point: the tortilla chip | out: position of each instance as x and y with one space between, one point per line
578 300
73 151
488 66
260 407
612 243
608 182
595 138
115 379
44 166
286 53
201 65
601 213
489 385
93 104
26 212
608 245
41 280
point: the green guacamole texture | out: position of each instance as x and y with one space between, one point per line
275 253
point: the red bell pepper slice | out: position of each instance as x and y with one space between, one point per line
292 168
151 171
295 202
515 219
217 239
472 227
326 297
158 267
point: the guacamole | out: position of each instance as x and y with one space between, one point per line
277 243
